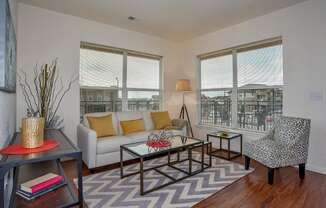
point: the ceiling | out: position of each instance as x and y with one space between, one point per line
170 19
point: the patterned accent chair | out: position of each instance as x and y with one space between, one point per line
285 145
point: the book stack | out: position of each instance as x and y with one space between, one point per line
40 186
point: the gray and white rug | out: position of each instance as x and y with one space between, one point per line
106 189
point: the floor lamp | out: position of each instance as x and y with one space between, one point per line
183 85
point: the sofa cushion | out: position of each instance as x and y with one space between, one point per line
132 126
139 136
149 125
111 144
128 115
161 120
101 114
103 126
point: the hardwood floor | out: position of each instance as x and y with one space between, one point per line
254 191
288 190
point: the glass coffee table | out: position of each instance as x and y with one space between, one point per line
178 143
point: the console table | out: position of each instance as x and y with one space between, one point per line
26 167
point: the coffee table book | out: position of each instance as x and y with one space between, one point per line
39 183
30 196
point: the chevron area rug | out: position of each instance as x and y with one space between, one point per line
106 189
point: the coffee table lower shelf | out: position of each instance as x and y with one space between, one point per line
224 154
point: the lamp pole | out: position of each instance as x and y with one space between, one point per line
183 85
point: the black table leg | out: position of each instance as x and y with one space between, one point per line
178 155
190 160
207 150
207 142
80 180
3 172
229 150
14 186
202 156
169 157
241 144
121 162
210 154
141 176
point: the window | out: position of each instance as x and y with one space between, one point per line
117 79
241 87
100 81
216 90
143 100
143 83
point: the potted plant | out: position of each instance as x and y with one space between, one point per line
43 97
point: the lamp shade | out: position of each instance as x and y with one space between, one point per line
183 85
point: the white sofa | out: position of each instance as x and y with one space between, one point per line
103 151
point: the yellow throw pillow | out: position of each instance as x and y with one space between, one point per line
161 120
103 126
132 126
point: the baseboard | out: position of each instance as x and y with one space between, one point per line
316 169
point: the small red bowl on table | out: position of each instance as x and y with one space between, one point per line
158 143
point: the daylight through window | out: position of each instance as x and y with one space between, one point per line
242 87
117 79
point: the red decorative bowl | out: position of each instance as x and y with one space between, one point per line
158 143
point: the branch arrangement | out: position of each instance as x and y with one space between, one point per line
44 96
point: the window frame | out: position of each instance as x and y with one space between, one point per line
125 53
234 95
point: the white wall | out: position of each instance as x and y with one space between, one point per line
8 100
304 39
45 35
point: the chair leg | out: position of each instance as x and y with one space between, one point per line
302 168
247 162
270 176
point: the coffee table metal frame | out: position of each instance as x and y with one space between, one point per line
209 150
170 163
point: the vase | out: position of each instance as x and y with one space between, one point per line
32 135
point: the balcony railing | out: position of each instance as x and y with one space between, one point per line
115 106
139 105
256 115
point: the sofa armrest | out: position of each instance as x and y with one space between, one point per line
87 142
